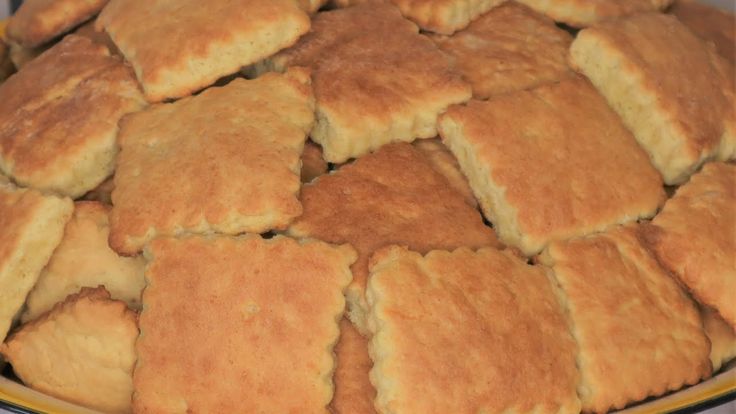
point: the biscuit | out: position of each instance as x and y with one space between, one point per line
393 196
39 21
239 325
551 163
636 63
446 164
510 48
32 226
313 165
89 31
59 114
581 13
693 237
376 79
225 161
710 23
82 351
721 335
468 332
84 259
102 193
354 393
172 60
638 333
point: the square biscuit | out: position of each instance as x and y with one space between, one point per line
239 325
225 161
638 333
710 23
446 164
468 332
721 335
32 226
174 59
354 393
682 115
38 21
551 163
581 13
82 351
376 79
392 196
84 259
510 48
694 237
59 116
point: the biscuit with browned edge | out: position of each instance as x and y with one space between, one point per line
710 23
721 335
354 393
446 164
239 325
581 13
39 21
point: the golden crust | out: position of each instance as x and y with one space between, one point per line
446 164
694 237
354 393
468 332
710 23
376 80
682 115
638 333
38 21
444 16
32 226
172 59
510 48
313 165
58 117
581 13
245 179
392 196
551 163
81 351
265 346
721 335
84 259
89 31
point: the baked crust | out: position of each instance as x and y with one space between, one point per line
581 13
710 23
38 21
354 393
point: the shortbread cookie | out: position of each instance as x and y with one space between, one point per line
176 47
376 79
721 335
446 164
710 23
313 165
638 333
239 325
84 259
59 115
39 21
226 161
682 115
468 332
81 351
508 49
551 163
581 13
354 393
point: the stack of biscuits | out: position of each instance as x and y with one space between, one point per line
360 207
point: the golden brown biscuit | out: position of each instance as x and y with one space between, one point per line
89 31
313 165
721 335
682 115
32 226
81 351
510 48
694 237
59 114
84 259
226 161
102 193
38 21
393 196
468 332
239 325
551 163
446 164
376 79
710 23
581 13
354 393
638 333
176 49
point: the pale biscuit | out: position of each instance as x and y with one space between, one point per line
510 48
468 332
59 115
682 115
710 23
84 259
176 49
39 21
226 161
313 165
721 335
551 163
393 196
376 79
354 393
239 325
581 13
694 237
446 164
32 226
82 351
638 333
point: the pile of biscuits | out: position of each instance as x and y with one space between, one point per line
378 206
